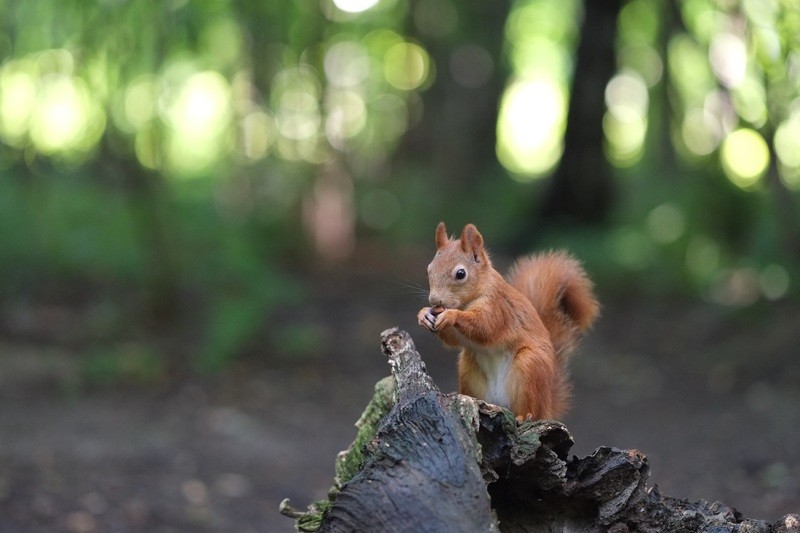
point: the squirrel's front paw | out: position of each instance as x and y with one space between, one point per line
444 319
426 318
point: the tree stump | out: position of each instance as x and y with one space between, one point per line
427 461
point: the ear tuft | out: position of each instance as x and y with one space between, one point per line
441 236
472 243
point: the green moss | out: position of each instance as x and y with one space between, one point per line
349 462
526 443
312 520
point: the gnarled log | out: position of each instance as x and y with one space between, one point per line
428 461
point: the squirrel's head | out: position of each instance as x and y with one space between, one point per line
456 270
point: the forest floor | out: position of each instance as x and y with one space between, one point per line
710 395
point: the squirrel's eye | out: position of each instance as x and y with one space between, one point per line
461 274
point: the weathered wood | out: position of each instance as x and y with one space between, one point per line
422 472
427 461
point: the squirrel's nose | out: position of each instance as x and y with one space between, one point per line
434 300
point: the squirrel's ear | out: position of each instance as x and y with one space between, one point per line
472 242
441 236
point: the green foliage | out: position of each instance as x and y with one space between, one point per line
79 233
180 153
298 340
56 228
232 323
130 363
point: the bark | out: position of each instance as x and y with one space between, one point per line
427 461
423 467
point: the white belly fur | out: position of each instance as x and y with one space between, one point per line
496 366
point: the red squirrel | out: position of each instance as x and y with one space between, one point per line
516 334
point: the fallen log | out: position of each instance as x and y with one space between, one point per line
427 461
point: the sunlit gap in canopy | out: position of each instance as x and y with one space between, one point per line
45 106
406 66
355 6
530 128
745 157
60 116
533 109
787 147
723 72
17 102
198 117
627 96
625 122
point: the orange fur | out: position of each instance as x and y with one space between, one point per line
559 289
514 336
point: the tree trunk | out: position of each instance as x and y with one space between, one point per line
427 461
582 188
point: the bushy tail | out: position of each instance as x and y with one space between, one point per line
561 292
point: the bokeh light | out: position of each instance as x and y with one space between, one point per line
666 223
17 103
139 103
728 58
347 64
199 116
346 117
787 150
44 105
295 96
774 281
745 157
258 132
60 116
355 6
406 66
533 107
202 103
689 70
700 132
530 127
750 101
625 123
644 60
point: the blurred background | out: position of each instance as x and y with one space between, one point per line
210 210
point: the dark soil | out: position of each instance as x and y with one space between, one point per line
709 394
